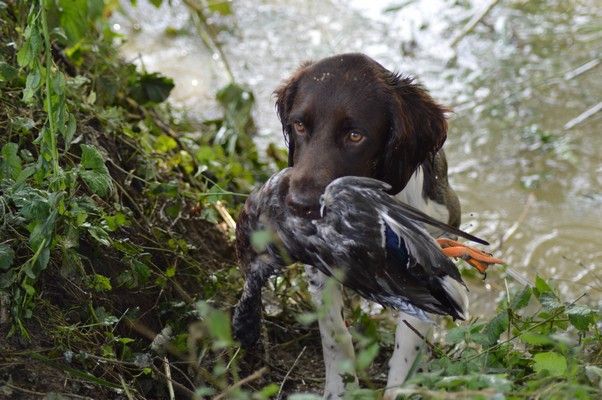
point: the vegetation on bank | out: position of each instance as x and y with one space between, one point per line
116 266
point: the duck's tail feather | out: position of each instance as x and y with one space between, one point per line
457 295
408 211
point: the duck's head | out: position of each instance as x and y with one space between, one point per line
344 189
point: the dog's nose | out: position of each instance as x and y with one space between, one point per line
303 206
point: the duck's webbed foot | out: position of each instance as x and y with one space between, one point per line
473 256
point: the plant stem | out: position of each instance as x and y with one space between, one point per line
208 38
51 122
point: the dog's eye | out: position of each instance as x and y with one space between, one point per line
355 137
299 127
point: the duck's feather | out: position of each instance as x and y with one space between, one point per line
365 241
375 190
368 240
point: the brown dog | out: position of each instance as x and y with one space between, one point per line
348 115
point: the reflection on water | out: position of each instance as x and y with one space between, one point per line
514 83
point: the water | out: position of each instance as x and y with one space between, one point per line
528 184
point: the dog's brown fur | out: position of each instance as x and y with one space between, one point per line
401 126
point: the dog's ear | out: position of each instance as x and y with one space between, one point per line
285 96
418 129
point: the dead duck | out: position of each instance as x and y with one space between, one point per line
365 238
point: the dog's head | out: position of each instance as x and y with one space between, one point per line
348 115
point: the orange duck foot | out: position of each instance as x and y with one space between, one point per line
473 256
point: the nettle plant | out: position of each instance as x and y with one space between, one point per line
42 201
87 134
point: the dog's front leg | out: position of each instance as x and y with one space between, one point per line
337 346
407 346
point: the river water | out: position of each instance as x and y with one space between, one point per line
528 171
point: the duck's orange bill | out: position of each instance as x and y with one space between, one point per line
475 257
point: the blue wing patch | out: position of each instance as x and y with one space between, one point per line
396 247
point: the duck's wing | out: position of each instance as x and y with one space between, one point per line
396 207
416 268
353 187
262 210
395 263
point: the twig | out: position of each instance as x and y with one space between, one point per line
520 278
581 69
530 201
150 334
583 116
34 393
255 375
208 38
470 25
172 395
176 384
223 211
125 388
233 358
289 372
421 336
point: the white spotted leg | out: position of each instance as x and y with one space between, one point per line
337 345
407 346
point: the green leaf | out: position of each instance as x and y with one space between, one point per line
7 72
142 272
218 324
7 256
269 391
542 286
69 131
457 334
165 143
94 172
581 317
549 301
535 339
150 88
550 361
495 328
91 158
206 154
30 50
32 84
95 8
522 299
170 272
43 230
10 163
261 239
98 183
114 222
74 19
223 7
156 3
168 189
366 356
98 233
100 283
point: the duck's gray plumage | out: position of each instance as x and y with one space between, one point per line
365 238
